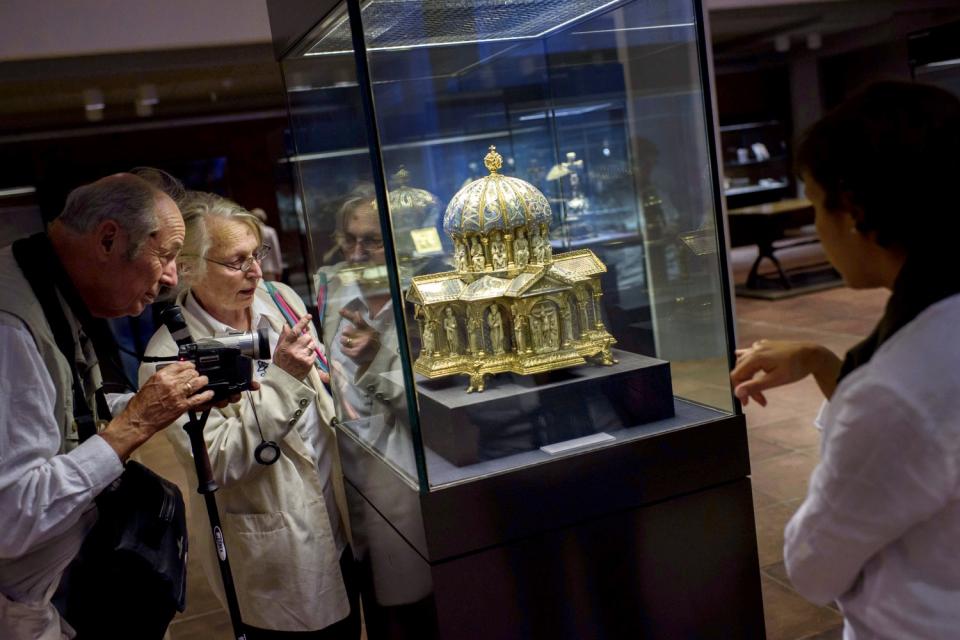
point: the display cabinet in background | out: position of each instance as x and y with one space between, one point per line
512 212
756 162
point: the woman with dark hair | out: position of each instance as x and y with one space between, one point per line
879 527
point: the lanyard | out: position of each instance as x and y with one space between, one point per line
292 318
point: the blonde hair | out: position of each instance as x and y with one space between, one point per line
198 208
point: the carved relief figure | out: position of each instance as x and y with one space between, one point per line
521 250
477 259
498 252
450 329
537 246
460 256
547 249
535 336
495 321
567 324
550 319
429 337
474 334
519 339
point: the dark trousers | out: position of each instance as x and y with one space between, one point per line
346 629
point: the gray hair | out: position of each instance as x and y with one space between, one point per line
163 181
126 199
197 208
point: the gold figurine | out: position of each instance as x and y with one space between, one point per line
523 308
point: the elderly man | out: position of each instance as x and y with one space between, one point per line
107 255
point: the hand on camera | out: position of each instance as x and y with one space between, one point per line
770 363
296 350
168 394
359 342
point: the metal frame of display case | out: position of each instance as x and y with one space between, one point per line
653 537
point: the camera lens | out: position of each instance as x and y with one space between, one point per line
262 345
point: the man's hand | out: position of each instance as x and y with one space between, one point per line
296 350
768 364
168 394
359 342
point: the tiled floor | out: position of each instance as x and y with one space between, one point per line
784 446
783 452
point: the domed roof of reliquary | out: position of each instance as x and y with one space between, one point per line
416 207
495 203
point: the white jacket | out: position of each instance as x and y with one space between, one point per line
281 547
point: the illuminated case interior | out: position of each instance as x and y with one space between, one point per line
604 108
596 104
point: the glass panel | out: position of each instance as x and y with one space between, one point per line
342 226
401 24
550 191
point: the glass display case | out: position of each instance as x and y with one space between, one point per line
597 107
513 214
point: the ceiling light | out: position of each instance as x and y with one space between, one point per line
146 100
814 41
781 44
93 104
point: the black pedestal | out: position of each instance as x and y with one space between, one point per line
522 413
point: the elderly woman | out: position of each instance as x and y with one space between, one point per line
284 528
878 529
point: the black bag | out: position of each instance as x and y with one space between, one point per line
129 578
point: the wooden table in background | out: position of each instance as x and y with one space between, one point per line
764 224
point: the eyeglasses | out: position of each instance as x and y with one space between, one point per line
367 243
247 264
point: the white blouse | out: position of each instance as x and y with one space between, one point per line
879 531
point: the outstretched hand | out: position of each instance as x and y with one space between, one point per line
770 363
296 350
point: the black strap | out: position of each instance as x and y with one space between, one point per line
42 269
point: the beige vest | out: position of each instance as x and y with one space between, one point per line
17 298
20 620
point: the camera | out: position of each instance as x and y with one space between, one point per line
227 361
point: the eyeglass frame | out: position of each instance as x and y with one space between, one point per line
247 263
366 243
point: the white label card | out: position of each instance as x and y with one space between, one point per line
576 443
426 240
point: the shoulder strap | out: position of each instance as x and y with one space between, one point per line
30 254
291 317
288 314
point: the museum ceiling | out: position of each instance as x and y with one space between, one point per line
84 94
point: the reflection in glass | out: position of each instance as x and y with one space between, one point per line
600 107
361 337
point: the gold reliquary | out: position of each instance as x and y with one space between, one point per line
512 304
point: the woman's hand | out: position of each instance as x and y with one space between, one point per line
296 350
359 342
769 363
